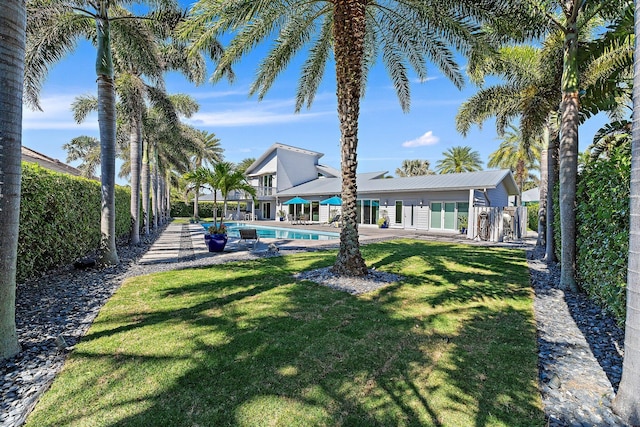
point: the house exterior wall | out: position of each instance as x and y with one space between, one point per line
294 168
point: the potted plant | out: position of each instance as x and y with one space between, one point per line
463 222
383 223
216 237
281 214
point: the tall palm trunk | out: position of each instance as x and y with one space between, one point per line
196 198
552 177
544 186
135 147
107 125
349 34
569 158
144 183
13 22
627 401
154 185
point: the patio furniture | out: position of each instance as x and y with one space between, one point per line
249 234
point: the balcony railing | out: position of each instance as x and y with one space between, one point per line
264 191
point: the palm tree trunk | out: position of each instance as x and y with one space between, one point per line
544 182
154 185
13 21
627 401
349 34
552 159
107 125
195 201
569 159
135 148
144 183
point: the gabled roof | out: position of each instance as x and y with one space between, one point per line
280 146
32 156
373 183
328 171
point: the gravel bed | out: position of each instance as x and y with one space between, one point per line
578 375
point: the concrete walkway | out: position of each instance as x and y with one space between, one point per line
185 242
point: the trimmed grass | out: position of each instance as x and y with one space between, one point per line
245 344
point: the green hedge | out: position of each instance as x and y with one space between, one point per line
180 209
602 219
60 219
532 215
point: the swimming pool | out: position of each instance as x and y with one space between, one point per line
267 232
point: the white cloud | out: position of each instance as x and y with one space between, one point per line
428 79
427 139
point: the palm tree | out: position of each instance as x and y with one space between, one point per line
244 164
227 179
210 150
197 178
627 401
12 51
87 149
576 15
459 159
53 31
358 32
414 168
517 154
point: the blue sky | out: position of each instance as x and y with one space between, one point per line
246 127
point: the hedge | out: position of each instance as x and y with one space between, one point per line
602 219
60 219
205 209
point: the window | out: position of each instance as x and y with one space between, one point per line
398 211
436 215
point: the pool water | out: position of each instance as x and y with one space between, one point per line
267 232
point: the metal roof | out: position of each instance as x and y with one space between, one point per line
373 183
276 146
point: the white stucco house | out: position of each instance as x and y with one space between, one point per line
438 203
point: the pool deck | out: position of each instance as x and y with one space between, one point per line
184 242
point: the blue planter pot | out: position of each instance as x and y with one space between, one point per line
216 242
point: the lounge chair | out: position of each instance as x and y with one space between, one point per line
249 234
335 221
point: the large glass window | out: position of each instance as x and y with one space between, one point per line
436 215
315 211
368 211
450 219
463 215
398 211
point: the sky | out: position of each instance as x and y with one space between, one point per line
247 127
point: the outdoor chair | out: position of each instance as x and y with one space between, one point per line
249 234
335 221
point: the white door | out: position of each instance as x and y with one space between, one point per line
410 214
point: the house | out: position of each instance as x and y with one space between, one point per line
32 156
438 203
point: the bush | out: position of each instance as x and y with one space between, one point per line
60 219
602 219
532 215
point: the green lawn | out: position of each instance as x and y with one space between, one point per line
245 344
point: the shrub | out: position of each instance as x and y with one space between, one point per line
532 215
602 219
60 219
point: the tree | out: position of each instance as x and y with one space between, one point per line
86 149
227 179
244 164
197 178
358 32
12 51
53 30
576 14
414 168
209 151
627 401
459 159
517 154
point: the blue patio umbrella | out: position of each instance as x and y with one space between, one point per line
332 201
296 201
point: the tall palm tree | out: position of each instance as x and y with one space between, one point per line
575 15
358 32
53 31
627 401
517 154
459 159
415 167
12 51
